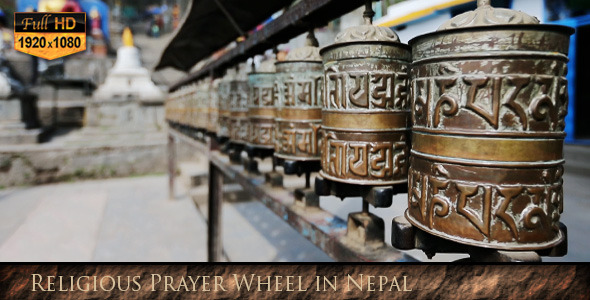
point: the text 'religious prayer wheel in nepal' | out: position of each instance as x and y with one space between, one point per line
299 80
489 97
223 94
366 115
238 107
262 105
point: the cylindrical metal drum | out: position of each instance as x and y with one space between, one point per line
202 104
186 110
213 105
169 106
262 105
192 102
175 106
366 114
489 97
223 105
238 107
299 80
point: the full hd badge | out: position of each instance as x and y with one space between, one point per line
50 35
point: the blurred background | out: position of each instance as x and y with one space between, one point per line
83 139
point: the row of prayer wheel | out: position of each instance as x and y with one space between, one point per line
194 105
471 117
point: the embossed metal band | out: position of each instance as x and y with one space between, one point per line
262 112
297 139
373 121
239 114
377 158
262 132
491 149
300 114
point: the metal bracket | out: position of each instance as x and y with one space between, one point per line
292 167
234 152
250 165
366 229
405 236
378 196
258 152
275 179
306 198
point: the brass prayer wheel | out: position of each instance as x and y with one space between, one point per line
172 107
176 106
223 95
300 78
262 105
188 105
366 114
238 107
200 117
212 106
489 97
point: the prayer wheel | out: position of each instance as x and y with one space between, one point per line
299 78
262 105
170 107
201 96
489 97
212 106
238 107
186 105
223 95
365 113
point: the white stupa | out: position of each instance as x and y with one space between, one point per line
12 128
128 80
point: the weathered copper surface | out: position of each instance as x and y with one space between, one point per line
262 105
488 108
300 95
213 106
172 106
238 107
365 114
180 106
200 114
223 95
238 125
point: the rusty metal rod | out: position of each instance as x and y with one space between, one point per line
171 166
214 229
322 228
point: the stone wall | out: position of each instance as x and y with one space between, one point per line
46 163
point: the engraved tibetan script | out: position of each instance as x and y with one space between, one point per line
506 102
263 96
368 90
298 141
487 207
369 160
302 93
